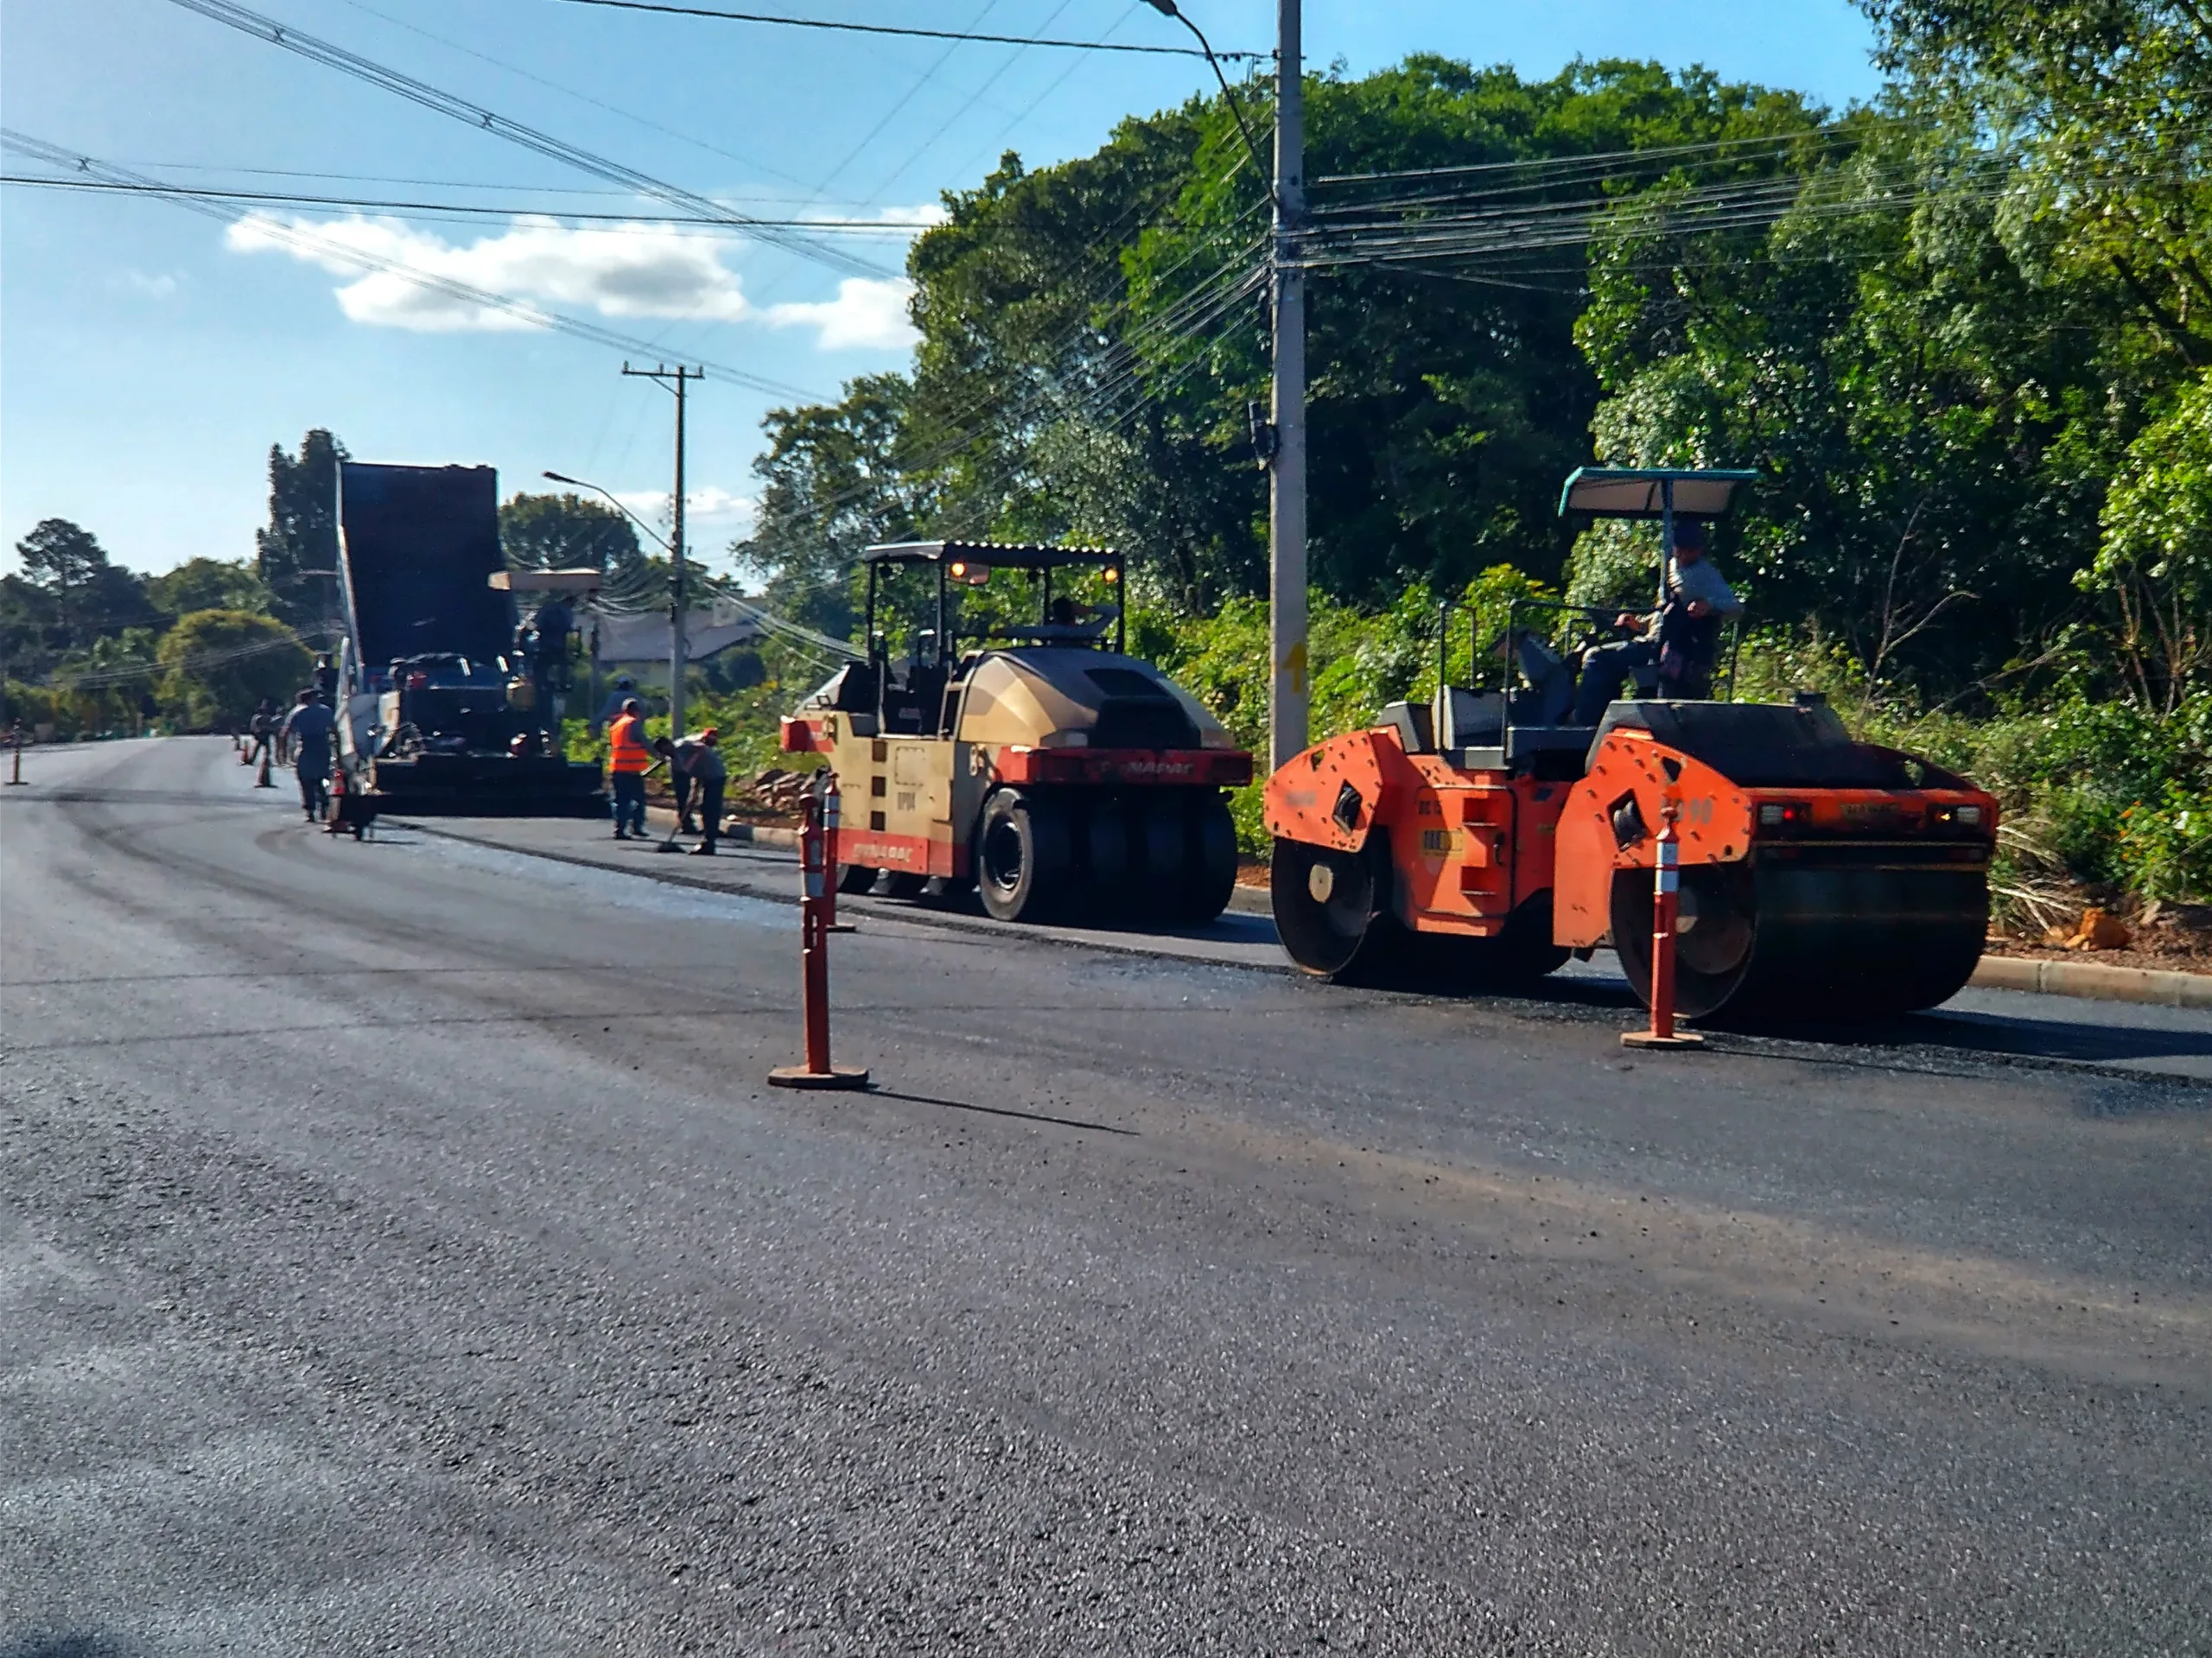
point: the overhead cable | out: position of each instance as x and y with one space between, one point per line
543 144
907 30
372 204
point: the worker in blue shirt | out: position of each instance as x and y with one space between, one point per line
308 728
1678 639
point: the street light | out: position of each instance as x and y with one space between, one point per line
580 483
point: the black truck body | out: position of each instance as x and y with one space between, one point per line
443 717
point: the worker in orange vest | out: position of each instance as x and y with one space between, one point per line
627 762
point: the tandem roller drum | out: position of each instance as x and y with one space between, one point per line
1810 939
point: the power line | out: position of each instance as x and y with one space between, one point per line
1539 163
901 28
543 144
615 110
372 204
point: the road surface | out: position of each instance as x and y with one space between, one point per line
399 1252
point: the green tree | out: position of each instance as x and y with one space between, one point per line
2108 103
216 666
302 535
210 584
1932 414
833 487
568 531
90 595
2156 560
103 687
31 635
1092 337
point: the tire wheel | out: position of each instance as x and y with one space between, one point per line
1022 857
856 880
1106 856
1210 877
1329 914
903 884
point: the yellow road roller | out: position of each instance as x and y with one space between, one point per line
1037 763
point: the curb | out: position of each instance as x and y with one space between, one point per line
740 834
2089 981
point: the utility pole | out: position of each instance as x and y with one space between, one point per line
678 663
1287 732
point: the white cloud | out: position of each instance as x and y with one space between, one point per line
711 503
866 314
628 270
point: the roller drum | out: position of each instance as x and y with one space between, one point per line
1811 939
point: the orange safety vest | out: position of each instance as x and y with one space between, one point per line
626 747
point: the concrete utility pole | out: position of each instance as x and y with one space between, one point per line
1287 731
678 656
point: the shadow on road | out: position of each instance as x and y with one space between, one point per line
1003 1111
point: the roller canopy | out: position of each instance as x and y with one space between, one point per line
1616 492
993 555
574 580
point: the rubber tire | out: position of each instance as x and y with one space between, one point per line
1210 878
1023 862
902 883
856 880
1163 844
1106 856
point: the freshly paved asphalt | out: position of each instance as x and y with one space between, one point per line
400 1253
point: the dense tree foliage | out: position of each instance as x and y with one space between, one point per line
216 666
302 535
568 531
210 584
1093 335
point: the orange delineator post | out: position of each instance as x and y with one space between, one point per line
814 964
1665 909
831 814
16 781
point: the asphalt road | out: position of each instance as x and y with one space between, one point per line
399 1252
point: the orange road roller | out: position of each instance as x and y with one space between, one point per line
1484 836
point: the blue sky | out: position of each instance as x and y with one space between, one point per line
149 356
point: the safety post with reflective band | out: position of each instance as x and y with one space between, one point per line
16 781
1665 909
831 819
815 883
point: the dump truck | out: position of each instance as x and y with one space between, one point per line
1039 764
452 705
1483 837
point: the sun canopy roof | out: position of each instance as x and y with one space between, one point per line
570 581
993 555
1619 493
